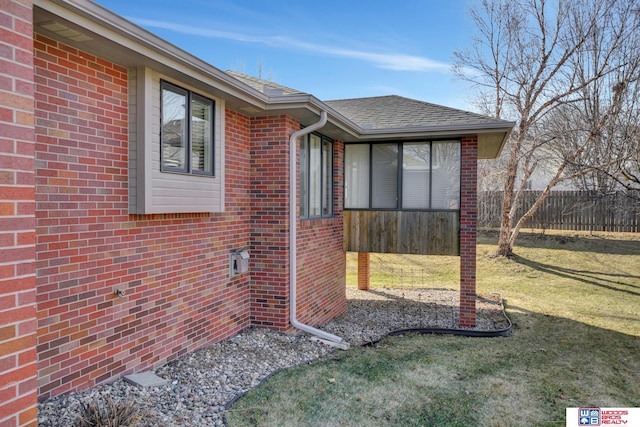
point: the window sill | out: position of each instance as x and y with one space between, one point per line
177 172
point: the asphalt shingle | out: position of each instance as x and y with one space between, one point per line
396 112
385 112
261 84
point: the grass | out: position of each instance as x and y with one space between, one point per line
411 270
574 302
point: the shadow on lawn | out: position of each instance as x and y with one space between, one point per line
625 283
549 363
572 241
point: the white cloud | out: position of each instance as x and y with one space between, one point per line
204 32
391 61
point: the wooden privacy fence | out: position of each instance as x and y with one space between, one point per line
568 210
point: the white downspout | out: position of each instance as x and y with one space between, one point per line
293 247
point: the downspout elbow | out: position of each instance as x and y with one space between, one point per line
293 250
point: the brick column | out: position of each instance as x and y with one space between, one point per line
468 225
269 224
18 379
363 271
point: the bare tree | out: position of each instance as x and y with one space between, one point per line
607 112
541 63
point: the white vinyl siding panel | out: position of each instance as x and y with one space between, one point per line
133 141
167 192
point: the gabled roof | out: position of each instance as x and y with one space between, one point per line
395 112
112 37
397 117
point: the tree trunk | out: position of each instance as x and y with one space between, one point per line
547 64
505 244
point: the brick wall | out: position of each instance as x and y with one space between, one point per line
321 265
364 271
18 383
468 225
174 268
321 258
270 220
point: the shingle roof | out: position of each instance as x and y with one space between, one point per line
262 85
396 112
397 115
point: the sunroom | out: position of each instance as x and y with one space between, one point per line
410 182
413 185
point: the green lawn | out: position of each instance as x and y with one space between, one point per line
574 300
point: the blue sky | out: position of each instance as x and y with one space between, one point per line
333 49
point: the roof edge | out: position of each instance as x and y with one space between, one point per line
102 17
100 20
297 101
457 129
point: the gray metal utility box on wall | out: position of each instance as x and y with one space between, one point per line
238 262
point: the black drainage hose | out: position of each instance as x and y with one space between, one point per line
437 331
474 333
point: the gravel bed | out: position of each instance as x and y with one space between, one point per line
201 383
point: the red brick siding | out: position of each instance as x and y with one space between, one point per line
270 220
468 226
321 267
18 381
364 270
321 258
175 267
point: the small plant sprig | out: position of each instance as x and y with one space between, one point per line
106 412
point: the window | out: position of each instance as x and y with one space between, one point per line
176 145
384 176
186 131
316 176
409 175
356 174
445 172
416 175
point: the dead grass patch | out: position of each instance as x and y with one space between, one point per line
573 300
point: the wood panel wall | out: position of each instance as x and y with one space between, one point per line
402 232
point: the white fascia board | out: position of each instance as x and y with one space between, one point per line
465 129
311 103
103 22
